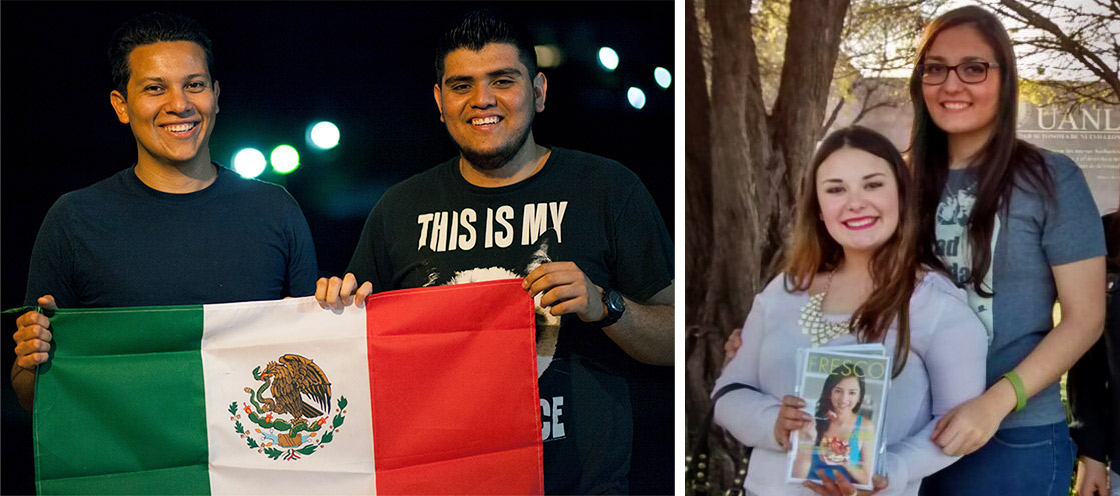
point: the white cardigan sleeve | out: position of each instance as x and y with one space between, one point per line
749 415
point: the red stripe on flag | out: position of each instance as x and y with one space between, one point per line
454 390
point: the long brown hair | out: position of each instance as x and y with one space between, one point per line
1003 159
894 265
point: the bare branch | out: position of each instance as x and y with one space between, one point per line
1090 60
831 117
868 108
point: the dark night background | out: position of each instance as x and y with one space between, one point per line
367 67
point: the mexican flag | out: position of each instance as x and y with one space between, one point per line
423 391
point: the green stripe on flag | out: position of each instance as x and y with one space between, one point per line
125 331
179 480
146 433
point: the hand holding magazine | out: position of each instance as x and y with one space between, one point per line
845 390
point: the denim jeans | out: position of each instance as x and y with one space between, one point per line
1022 461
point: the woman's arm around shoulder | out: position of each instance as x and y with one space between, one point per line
954 350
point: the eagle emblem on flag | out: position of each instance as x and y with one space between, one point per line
294 419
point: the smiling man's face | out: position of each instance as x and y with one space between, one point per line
488 99
171 103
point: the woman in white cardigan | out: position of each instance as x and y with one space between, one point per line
855 273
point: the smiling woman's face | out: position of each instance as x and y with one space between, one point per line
858 196
845 395
956 107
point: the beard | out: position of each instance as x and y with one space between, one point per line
496 159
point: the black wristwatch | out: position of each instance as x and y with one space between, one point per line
614 304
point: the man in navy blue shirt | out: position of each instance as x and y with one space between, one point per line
173 229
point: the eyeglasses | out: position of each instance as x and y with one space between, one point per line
968 72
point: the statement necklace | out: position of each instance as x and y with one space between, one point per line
812 320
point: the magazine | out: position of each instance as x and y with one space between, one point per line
845 390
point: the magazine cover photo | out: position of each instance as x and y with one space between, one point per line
844 391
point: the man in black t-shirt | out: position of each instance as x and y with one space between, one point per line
580 229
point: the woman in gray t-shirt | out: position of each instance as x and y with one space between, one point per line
1017 227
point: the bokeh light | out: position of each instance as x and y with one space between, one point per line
609 58
663 77
284 159
637 98
548 56
249 162
324 135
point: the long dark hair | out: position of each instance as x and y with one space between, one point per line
824 404
894 265
1004 159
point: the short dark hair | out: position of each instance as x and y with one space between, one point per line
153 28
479 28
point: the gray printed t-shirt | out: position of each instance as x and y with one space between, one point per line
1032 235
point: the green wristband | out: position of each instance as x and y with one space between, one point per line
1017 385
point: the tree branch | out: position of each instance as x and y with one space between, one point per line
831 117
1087 58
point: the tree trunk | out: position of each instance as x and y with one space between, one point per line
751 174
698 165
740 142
812 45
735 142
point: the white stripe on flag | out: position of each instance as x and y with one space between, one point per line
239 337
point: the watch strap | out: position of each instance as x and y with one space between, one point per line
613 314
